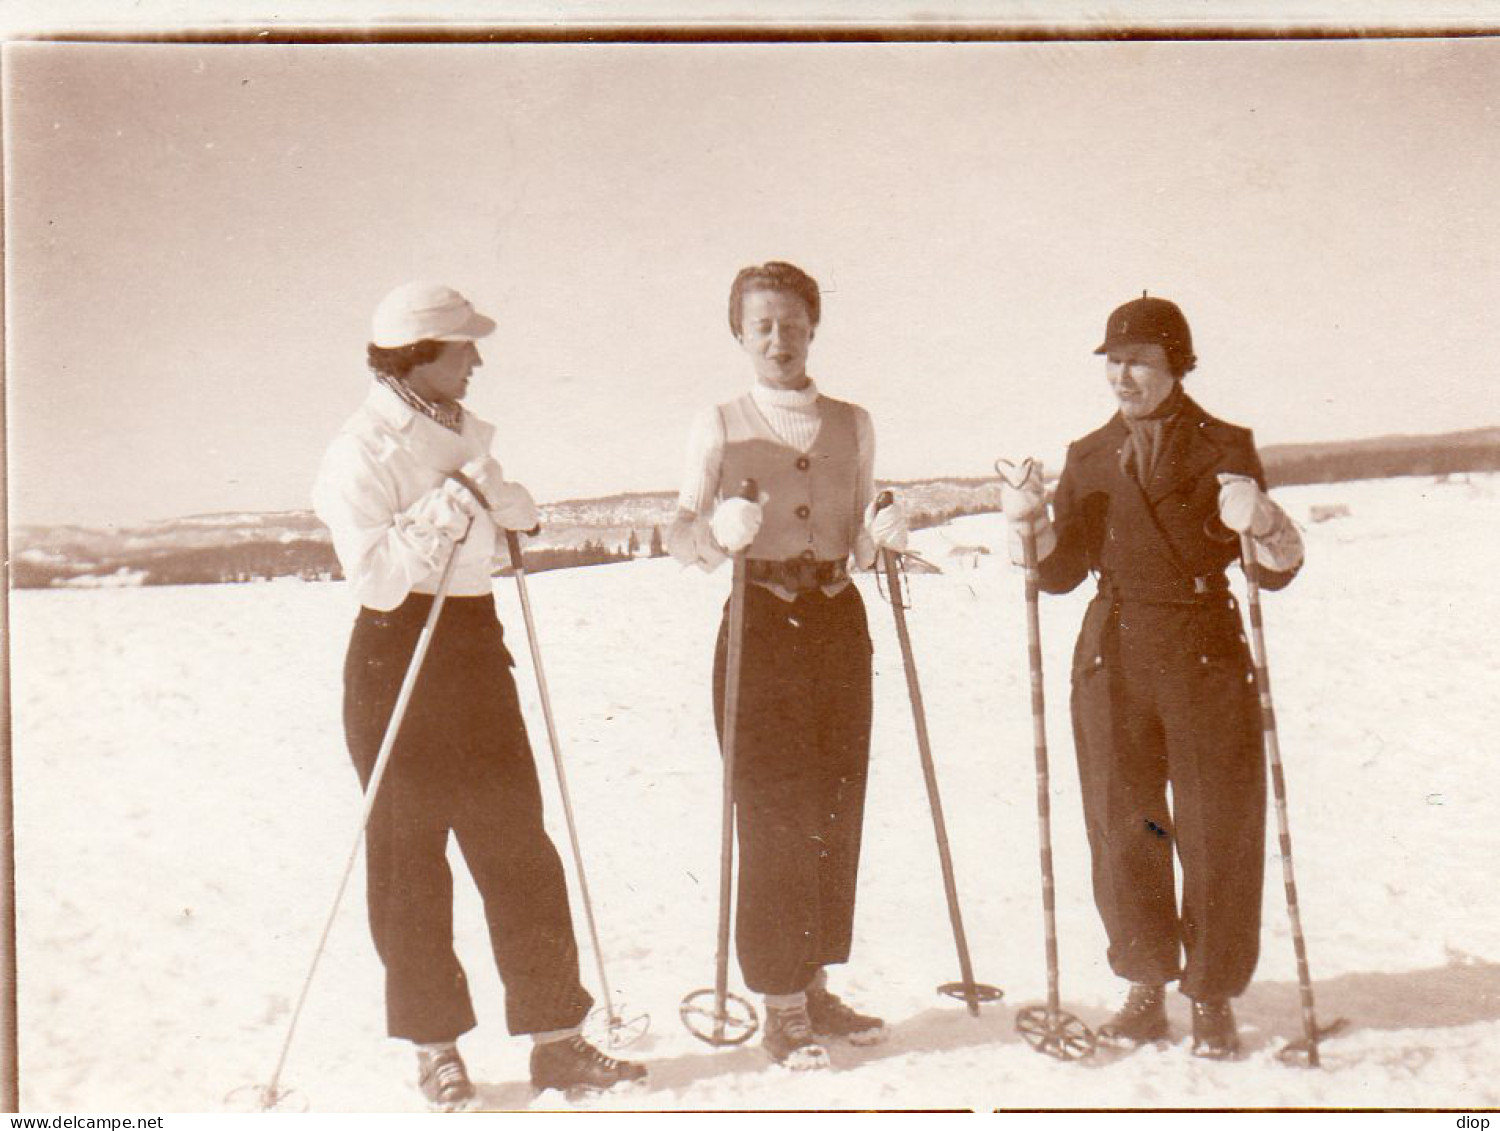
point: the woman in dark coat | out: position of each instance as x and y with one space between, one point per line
1153 504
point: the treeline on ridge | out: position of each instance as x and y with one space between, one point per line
929 503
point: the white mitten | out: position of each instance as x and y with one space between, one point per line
485 473
1246 509
1023 502
1046 538
888 526
512 507
1025 507
431 525
736 522
690 540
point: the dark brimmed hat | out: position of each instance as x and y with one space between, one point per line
1151 321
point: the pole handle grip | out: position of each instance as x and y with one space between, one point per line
749 489
1015 473
883 500
513 545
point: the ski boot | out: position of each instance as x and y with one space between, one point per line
1142 1019
1215 1036
790 1041
443 1079
830 1016
577 1069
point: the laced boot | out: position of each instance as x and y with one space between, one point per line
443 1079
1215 1036
831 1016
790 1041
573 1066
1142 1018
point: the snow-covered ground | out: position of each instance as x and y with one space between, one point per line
185 807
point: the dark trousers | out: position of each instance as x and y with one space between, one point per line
461 764
1164 695
801 751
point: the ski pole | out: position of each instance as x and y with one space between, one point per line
1312 1034
1049 1030
634 1029
745 1022
971 992
270 1097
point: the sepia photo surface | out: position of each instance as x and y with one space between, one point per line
197 232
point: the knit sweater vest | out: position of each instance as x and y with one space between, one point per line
810 505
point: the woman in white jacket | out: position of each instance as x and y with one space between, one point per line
405 485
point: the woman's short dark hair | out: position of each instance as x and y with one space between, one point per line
401 360
773 276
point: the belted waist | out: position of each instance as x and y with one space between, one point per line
1172 591
413 611
795 574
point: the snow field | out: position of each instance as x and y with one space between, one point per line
185 807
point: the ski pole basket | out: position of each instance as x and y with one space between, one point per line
1055 1032
255 1098
610 1028
975 993
733 1023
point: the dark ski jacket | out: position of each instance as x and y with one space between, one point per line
1163 541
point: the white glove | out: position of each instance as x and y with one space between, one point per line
437 520
1244 507
888 526
447 508
485 474
736 522
1025 507
1046 539
690 540
512 507
1027 500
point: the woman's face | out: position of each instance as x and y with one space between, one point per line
446 377
776 330
1140 376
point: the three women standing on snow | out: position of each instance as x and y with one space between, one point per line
802 743
1153 504
1163 691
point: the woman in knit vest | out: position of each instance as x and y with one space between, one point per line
803 736
1153 504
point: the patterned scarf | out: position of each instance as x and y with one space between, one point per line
450 416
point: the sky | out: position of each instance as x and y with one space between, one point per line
196 235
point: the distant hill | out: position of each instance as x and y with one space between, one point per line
254 546
1382 457
249 546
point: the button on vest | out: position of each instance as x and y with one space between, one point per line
810 506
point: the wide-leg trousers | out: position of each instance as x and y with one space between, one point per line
801 753
461 765
1164 696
